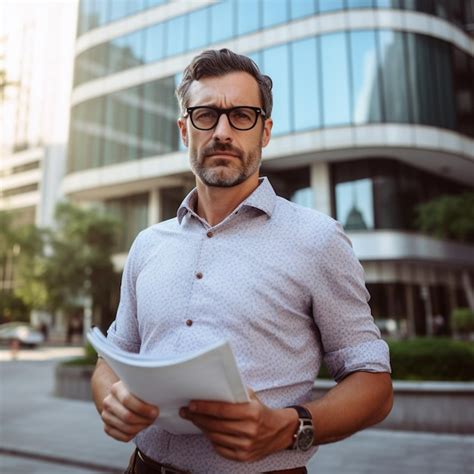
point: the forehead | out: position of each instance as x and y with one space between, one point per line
236 88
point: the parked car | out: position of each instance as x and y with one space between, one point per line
25 334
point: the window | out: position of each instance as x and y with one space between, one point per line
132 214
248 16
394 76
395 4
365 96
360 3
117 9
354 204
154 43
160 110
276 65
176 35
274 12
335 77
301 8
222 21
198 28
292 184
305 84
330 5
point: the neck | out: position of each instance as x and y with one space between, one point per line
215 204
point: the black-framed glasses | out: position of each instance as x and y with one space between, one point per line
240 118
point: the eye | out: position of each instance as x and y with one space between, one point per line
204 114
243 114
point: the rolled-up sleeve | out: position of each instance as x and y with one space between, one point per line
351 340
123 332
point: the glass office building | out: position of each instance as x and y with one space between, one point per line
373 115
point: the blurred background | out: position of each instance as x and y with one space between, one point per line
373 125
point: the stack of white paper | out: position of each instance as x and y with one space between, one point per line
170 383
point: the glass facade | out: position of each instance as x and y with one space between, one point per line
127 125
97 13
338 79
292 184
223 21
132 214
383 193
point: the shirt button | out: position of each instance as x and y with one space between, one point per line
189 322
199 275
209 234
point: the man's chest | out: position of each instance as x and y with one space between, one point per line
222 286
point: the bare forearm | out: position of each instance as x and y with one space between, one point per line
102 380
361 400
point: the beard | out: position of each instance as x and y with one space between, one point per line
224 173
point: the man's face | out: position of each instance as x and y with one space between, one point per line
224 156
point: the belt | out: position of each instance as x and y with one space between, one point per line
142 464
145 465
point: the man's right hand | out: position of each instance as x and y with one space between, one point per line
125 415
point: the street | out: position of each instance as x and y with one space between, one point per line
43 434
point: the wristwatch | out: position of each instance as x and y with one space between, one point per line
304 435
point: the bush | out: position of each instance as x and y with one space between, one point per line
463 320
432 359
437 359
90 357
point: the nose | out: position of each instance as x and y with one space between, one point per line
223 130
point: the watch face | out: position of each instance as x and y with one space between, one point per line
305 438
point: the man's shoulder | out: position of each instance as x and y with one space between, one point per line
289 212
149 235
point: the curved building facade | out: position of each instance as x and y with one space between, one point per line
373 115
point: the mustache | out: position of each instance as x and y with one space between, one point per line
215 148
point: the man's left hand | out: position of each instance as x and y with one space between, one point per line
243 431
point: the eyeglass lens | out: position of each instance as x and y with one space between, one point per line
242 117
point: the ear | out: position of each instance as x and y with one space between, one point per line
267 132
183 130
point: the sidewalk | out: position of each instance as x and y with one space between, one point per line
43 434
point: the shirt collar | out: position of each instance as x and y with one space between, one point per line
262 198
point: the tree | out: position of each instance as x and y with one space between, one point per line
19 247
448 217
451 217
79 258
71 262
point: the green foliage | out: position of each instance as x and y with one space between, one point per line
435 359
80 261
54 269
90 357
463 320
432 359
19 247
448 217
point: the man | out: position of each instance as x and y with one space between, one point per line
277 280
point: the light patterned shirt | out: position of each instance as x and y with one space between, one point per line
279 281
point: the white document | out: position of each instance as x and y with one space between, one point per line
170 383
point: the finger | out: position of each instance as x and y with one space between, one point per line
132 429
112 405
133 403
236 443
232 454
117 434
229 411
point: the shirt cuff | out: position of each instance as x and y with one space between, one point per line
371 356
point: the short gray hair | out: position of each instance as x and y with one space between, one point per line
214 63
